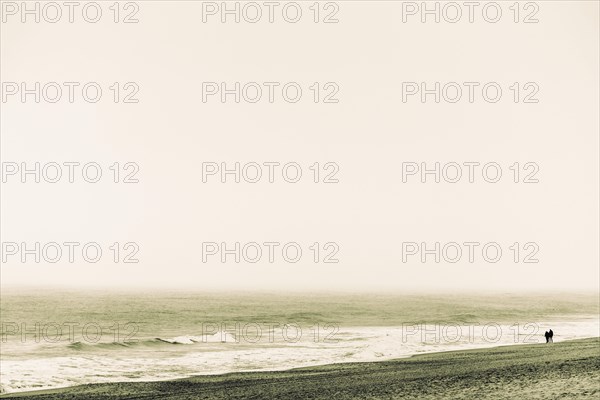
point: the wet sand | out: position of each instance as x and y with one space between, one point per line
569 370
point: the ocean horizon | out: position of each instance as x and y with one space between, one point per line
54 339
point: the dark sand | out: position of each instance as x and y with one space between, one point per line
567 370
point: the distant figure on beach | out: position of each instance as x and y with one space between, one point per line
547 336
550 334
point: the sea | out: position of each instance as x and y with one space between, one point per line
61 338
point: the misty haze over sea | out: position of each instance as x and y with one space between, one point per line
64 338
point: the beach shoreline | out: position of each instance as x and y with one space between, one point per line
569 368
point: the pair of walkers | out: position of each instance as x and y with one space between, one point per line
548 335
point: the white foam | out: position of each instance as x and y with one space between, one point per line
223 352
219 337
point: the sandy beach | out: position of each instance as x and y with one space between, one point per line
569 369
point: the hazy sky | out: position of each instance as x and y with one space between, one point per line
369 134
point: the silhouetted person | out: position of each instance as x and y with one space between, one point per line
547 336
551 334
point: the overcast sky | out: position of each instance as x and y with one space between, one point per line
368 134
